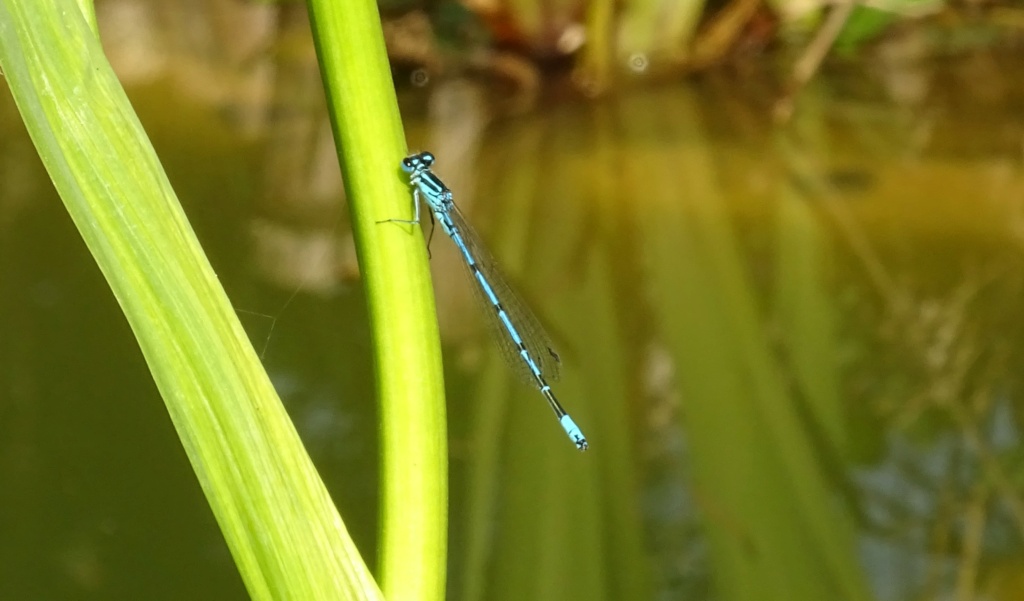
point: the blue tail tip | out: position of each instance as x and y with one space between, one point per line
574 432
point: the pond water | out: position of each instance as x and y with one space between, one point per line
794 347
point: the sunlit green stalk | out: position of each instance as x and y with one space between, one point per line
595 68
368 133
282 528
88 9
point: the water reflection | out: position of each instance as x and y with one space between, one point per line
793 347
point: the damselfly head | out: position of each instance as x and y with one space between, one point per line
417 162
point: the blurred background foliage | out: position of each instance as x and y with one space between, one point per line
777 244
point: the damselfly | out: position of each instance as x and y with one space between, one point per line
524 344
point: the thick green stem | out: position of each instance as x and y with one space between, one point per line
368 133
276 516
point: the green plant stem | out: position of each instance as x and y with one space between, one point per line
278 520
392 256
596 60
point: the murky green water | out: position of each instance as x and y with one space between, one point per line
794 348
